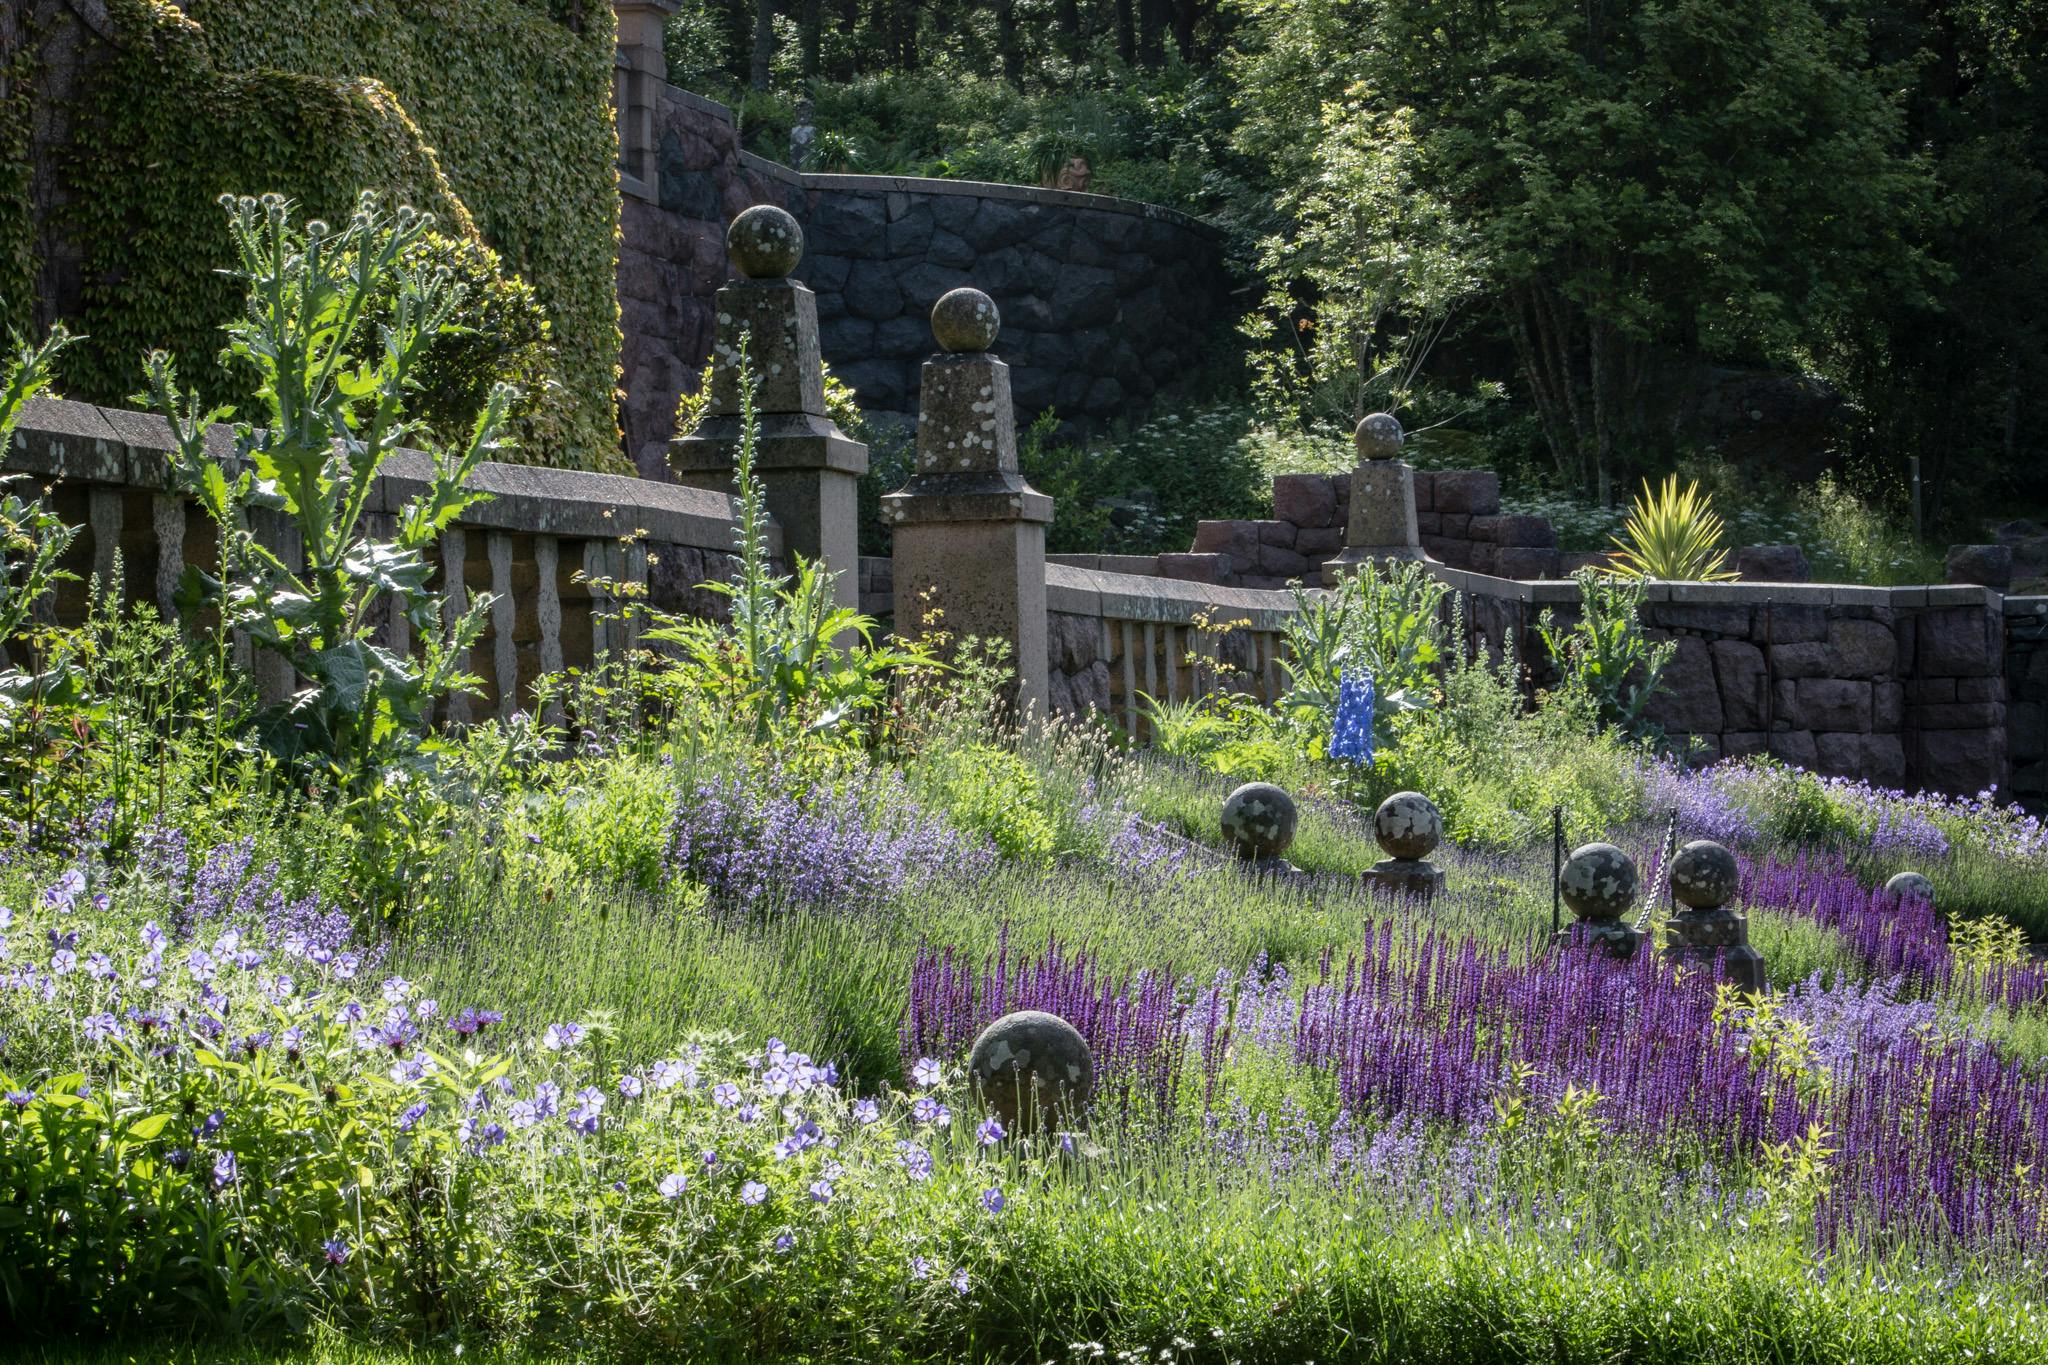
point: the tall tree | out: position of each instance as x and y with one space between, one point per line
764 44
1126 33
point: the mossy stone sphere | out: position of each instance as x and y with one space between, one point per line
965 319
1910 886
1408 825
1704 875
1032 1067
1378 436
1259 820
765 243
1599 882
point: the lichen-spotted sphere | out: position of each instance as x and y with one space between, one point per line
1259 820
1704 875
1599 882
1031 1067
1910 886
965 319
1378 436
1408 825
765 243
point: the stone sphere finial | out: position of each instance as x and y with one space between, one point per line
1910 886
1408 825
1031 1067
1378 436
1704 875
965 319
1599 882
1259 820
765 242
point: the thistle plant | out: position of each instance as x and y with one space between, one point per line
1605 652
32 538
1672 534
334 402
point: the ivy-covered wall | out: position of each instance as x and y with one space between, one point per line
493 114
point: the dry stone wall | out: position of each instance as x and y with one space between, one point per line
1106 303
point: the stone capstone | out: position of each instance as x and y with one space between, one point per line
1910 886
1704 875
765 243
1032 1068
1259 820
1408 825
1598 882
965 320
1378 436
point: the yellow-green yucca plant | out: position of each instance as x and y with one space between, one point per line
1672 534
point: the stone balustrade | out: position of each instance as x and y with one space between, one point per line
547 543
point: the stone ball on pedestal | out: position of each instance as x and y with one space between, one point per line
1408 825
965 319
1910 886
765 243
1704 875
1259 820
1599 882
1378 436
1032 1067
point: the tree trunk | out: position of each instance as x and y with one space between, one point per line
1185 13
1006 42
811 38
1151 31
1126 33
764 43
1070 28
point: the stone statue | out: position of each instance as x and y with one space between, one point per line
1074 174
802 136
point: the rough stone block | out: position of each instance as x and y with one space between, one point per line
1958 642
1831 704
1959 761
1711 618
1807 659
1742 743
1281 561
1959 715
1521 562
1773 564
1239 540
1457 525
1691 698
1872 758
1920 691
1319 540
1795 747
1425 490
1861 649
1305 500
1195 567
1790 623
1887 706
1275 533
2026 726
1988 566
1429 523
1474 492
1980 689
1740 675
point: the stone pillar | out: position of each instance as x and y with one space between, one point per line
809 469
1382 520
1704 878
638 71
968 530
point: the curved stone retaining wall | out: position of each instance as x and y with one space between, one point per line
1105 302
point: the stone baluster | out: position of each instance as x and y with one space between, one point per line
1381 524
1705 932
809 469
969 531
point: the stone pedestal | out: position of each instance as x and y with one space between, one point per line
1710 937
1408 828
809 469
1407 876
1382 523
1704 878
969 531
1617 940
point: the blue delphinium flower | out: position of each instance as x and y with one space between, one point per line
1351 727
225 1171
